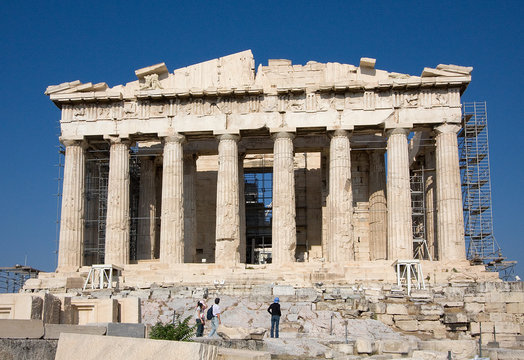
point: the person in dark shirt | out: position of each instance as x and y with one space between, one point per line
274 310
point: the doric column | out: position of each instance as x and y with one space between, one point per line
284 233
377 205
431 203
340 200
172 220
449 199
147 209
227 213
400 233
117 222
71 242
190 220
242 207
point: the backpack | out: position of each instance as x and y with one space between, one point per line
210 313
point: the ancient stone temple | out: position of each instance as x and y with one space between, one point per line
291 172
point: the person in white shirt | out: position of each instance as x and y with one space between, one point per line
216 318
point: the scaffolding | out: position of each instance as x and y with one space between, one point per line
418 215
481 245
12 279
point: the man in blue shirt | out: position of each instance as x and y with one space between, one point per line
274 310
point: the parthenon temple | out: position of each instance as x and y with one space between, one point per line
292 172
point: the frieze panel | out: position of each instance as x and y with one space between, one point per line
269 103
79 112
354 101
384 100
130 109
158 109
411 99
225 105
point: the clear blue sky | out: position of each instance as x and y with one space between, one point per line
49 42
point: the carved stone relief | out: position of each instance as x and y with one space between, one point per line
354 101
130 109
79 113
384 100
269 103
158 109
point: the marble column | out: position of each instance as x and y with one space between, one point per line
450 222
242 210
190 219
431 203
117 222
400 232
172 220
71 242
340 247
147 209
284 233
227 213
377 206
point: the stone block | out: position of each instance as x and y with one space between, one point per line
67 311
491 307
455 317
283 290
21 329
306 294
129 310
346 349
126 330
385 319
363 346
499 317
460 349
141 294
507 328
118 348
407 325
431 309
242 354
515 308
346 293
487 327
378 308
27 349
509 297
403 317
292 317
51 309
396 309
20 306
429 325
428 317
53 331
394 346
429 355
474 308
240 333
88 311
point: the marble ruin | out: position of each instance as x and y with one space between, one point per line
172 201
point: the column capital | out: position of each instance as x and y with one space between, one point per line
176 137
283 135
340 132
399 130
447 128
117 140
228 137
73 142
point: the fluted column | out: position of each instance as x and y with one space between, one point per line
117 222
147 209
242 208
190 220
431 204
227 213
71 242
172 220
284 233
400 233
340 200
377 205
449 199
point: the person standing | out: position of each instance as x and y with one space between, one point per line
274 310
215 321
200 319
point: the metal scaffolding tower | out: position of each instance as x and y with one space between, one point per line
418 215
12 279
481 246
